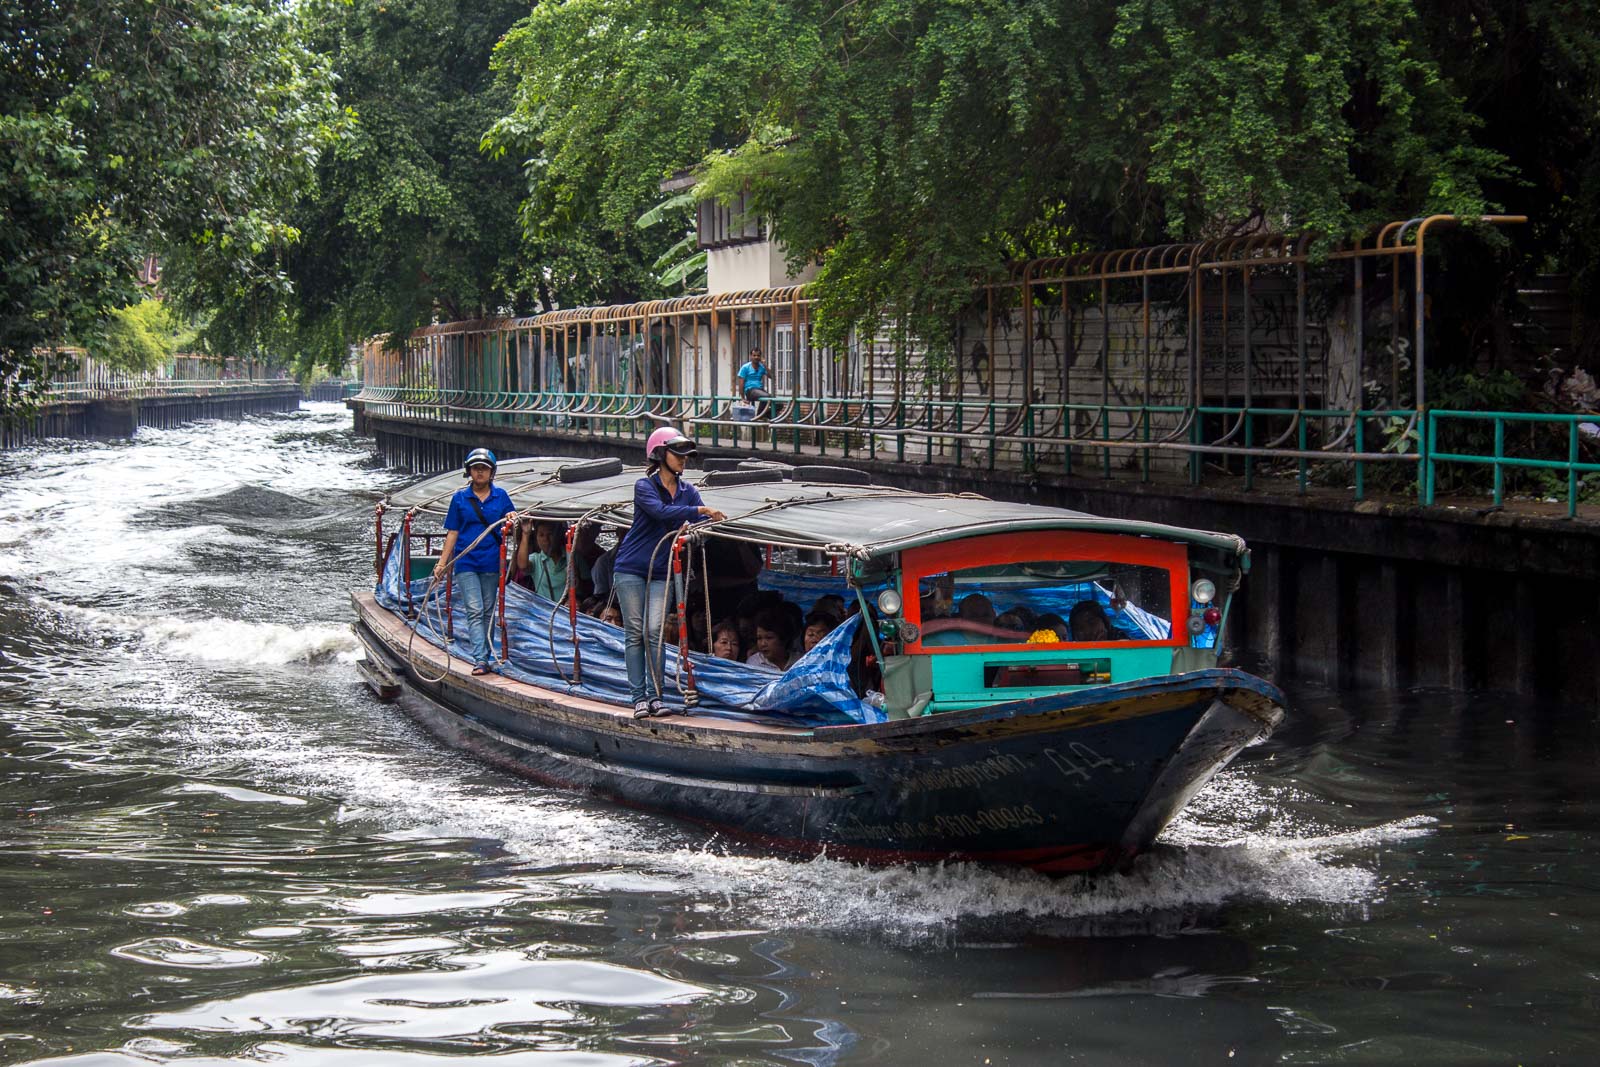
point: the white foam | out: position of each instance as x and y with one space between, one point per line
216 640
551 832
265 643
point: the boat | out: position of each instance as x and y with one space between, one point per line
919 731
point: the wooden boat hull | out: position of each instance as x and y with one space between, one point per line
1077 781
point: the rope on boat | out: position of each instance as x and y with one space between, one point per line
436 622
594 514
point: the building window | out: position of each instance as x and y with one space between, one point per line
784 359
719 225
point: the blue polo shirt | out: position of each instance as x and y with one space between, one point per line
462 518
753 377
654 514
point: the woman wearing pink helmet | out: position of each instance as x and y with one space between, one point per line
662 502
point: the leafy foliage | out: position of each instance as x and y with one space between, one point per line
182 128
140 337
915 144
611 96
410 220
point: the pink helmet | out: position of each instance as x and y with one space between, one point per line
666 439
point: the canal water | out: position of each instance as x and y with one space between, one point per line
218 850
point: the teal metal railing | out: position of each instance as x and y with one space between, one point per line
1196 362
1571 466
999 435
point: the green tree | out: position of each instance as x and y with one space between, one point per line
917 145
140 337
410 219
181 128
612 96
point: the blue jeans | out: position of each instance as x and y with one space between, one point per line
636 599
478 592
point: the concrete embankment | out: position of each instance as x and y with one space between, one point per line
1341 593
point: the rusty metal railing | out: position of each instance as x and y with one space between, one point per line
1248 354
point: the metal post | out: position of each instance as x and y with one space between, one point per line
691 695
572 605
1499 453
405 538
506 532
377 544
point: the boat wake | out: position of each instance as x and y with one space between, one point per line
409 789
1246 837
219 640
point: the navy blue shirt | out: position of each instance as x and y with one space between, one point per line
654 514
485 559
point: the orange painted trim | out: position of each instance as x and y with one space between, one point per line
918 563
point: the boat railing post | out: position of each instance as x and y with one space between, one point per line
507 530
691 695
405 540
377 543
572 604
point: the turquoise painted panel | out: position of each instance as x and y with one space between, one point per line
960 677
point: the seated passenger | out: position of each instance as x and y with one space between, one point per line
1050 623
772 642
698 640
796 620
542 560
611 613
832 604
819 624
725 641
977 608
938 596
750 608
1088 622
1011 620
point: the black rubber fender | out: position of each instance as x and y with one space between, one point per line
723 479
590 469
831 476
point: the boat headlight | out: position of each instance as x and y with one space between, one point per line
1204 591
889 602
1197 625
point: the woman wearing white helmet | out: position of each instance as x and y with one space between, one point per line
662 501
477 507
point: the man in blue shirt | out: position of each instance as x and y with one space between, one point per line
477 513
753 380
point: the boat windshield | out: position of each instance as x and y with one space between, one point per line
1045 589
1046 602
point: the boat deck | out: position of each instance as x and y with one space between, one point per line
397 636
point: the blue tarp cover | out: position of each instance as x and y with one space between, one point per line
814 691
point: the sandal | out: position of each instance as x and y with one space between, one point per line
480 669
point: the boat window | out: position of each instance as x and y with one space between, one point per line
1046 601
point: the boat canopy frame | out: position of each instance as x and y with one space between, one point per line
861 522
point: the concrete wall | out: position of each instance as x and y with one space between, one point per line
756 265
122 417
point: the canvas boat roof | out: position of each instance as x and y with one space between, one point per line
859 520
